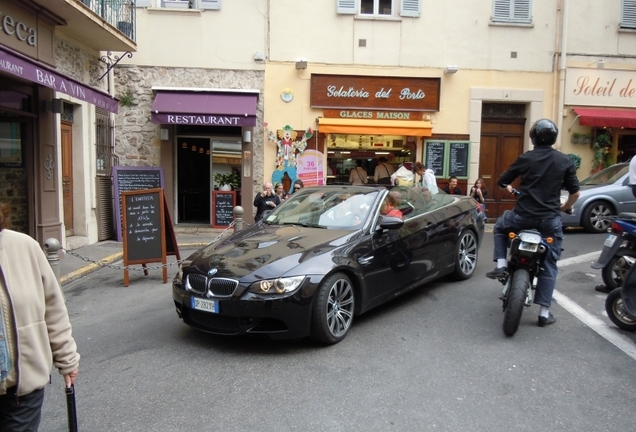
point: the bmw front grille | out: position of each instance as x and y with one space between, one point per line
212 287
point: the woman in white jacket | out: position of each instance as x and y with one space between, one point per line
35 331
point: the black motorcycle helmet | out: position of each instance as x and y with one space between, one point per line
543 132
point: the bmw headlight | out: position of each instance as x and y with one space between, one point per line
276 286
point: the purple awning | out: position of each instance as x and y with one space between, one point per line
19 65
208 108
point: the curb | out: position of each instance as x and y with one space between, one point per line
83 271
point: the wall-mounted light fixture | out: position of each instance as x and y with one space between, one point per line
194 148
301 63
184 145
53 106
451 69
164 134
600 64
247 136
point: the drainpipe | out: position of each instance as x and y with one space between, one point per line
562 69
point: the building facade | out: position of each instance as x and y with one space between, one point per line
456 85
54 96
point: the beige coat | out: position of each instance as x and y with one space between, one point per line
36 321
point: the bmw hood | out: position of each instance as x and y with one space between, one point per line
266 251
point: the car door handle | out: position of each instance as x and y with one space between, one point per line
365 260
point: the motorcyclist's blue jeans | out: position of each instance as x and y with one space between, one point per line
510 221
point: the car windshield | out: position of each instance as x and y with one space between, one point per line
324 209
607 176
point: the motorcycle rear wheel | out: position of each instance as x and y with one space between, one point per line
616 269
516 297
616 311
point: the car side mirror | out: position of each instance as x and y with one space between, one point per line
391 223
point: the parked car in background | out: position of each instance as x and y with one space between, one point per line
324 256
603 194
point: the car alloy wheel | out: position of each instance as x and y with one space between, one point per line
596 218
333 309
467 252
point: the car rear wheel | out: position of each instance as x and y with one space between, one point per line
466 256
333 309
595 218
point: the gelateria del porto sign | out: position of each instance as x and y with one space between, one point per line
375 93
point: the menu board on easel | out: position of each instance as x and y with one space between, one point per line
131 178
458 160
223 203
146 236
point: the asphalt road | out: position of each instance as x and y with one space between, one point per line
433 360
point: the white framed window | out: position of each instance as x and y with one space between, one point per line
379 8
180 4
512 11
628 14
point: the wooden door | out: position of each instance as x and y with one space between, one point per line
501 143
67 177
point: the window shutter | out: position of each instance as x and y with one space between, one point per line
628 14
346 6
512 10
143 3
411 8
210 4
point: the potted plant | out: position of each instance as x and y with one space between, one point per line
585 139
575 138
576 159
602 152
228 181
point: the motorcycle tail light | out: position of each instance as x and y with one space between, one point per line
525 260
549 240
616 228
512 235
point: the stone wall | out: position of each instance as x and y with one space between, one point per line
137 140
76 63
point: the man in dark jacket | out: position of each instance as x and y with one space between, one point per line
544 172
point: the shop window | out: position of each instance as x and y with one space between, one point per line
379 8
628 14
512 11
105 149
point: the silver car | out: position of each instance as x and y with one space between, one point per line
603 194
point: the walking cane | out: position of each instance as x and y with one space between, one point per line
71 408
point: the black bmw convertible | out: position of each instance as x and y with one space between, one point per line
324 256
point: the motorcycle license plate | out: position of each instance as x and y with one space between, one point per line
530 247
609 241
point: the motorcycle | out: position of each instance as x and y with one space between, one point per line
620 303
619 251
527 250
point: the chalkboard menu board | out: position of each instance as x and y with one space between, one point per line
458 166
144 226
127 179
435 153
223 203
148 234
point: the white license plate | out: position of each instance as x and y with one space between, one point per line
609 241
530 247
205 305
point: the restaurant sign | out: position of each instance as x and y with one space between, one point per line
374 93
600 87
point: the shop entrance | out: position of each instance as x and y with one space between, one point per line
501 143
626 145
193 179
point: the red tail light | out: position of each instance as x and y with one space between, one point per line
616 228
525 260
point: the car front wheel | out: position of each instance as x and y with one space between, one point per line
333 309
596 217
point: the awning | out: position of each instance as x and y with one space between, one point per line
375 127
605 117
24 67
205 107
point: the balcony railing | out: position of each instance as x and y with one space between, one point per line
119 13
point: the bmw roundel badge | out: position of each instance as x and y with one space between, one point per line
212 272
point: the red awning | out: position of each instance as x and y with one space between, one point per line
602 117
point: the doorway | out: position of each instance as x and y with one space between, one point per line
67 176
193 180
501 143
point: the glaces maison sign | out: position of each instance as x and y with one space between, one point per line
375 92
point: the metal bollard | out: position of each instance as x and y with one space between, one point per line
51 246
238 218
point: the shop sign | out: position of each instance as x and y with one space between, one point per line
376 93
600 87
203 120
373 115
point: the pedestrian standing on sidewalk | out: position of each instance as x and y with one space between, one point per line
35 330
